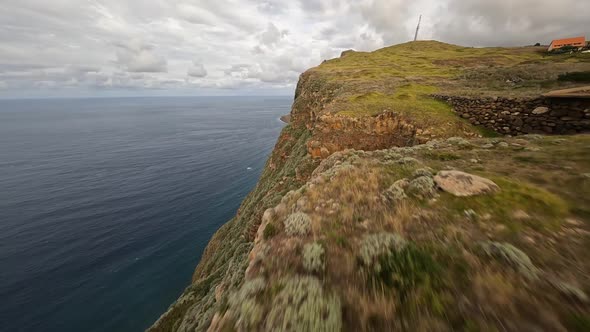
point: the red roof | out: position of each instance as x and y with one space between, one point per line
575 40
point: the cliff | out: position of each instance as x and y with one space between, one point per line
382 207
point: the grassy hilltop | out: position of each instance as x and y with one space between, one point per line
401 78
455 69
458 234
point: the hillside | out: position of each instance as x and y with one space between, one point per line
382 207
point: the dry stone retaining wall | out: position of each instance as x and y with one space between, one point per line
517 116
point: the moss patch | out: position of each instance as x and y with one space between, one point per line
270 230
547 209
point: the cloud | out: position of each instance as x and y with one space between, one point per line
272 35
197 70
386 17
247 45
137 57
507 22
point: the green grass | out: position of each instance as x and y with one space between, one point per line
409 99
420 277
402 78
578 322
485 132
458 69
269 231
407 270
547 210
442 155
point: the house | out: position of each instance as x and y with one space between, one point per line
575 42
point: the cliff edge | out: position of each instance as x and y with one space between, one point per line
394 201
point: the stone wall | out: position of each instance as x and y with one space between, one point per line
517 116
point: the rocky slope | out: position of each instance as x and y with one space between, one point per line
381 209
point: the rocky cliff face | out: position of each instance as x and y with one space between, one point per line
381 209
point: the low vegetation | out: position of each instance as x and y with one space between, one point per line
313 257
414 253
456 69
297 223
369 241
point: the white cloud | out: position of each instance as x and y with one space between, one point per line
138 57
246 44
197 70
272 35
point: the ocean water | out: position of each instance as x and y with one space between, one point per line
107 204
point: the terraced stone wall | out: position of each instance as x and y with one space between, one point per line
517 116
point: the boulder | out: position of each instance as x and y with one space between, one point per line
464 184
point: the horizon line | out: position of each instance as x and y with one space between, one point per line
121 97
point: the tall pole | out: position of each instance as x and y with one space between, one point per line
418 28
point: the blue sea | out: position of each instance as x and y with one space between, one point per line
106 205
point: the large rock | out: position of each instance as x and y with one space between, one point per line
464 184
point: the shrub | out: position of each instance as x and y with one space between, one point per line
302 305
298 223
249 313
269 231
408 160
375 245
313 257
427 171
395 193
459 141
422 187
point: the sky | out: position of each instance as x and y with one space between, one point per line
86 48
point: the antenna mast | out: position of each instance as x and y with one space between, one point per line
418 28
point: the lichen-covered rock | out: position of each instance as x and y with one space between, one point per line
313 257
422 187
513 256
302 305
375 245
298 224
464 184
